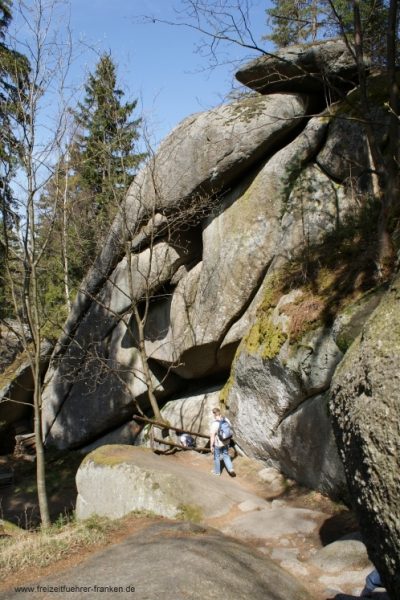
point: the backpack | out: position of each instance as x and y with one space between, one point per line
224 430
187 440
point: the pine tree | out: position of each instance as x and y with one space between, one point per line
296 22
374 18
293 22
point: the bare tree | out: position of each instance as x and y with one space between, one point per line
39 134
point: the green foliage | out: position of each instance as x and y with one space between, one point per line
104 150
14 69
293 22
296 22
374 16
88 185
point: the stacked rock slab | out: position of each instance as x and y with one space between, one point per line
265 174
311 68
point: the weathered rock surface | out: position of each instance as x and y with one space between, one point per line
214 295
316 205
279 521
204 154
343 554
309 68
115 480
189 561
365 408
90 365
250 269
193 412
274 422
16 394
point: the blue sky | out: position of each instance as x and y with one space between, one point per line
157 63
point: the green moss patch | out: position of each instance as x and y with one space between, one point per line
264 338
190 512
111 455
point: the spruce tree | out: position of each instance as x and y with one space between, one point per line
104 154
89 182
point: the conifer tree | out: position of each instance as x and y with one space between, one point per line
89 182
293 21
103 155
14 70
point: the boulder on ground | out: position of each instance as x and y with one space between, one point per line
115 480
342 555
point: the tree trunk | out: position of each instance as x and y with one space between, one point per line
145 364
380 172
65 237
40 458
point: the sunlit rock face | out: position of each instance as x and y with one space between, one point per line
235 245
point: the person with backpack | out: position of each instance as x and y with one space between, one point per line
220 437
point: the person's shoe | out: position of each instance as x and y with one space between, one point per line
214 473
232 473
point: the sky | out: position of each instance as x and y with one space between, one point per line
157 63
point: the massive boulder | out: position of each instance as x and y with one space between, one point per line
206 153
310 68
365 407
175 561
201 156
231 232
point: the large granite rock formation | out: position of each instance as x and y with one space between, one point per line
365 407
224 232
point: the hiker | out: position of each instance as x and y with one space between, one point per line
372 581
220 437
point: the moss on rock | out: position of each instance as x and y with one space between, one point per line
265 338
112 455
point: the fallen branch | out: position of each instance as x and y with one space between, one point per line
173 445
162 425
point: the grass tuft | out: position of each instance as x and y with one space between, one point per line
44 547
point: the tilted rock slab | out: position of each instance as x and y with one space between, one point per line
239 244
274 421
310 68
201 156
365 408
275 396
